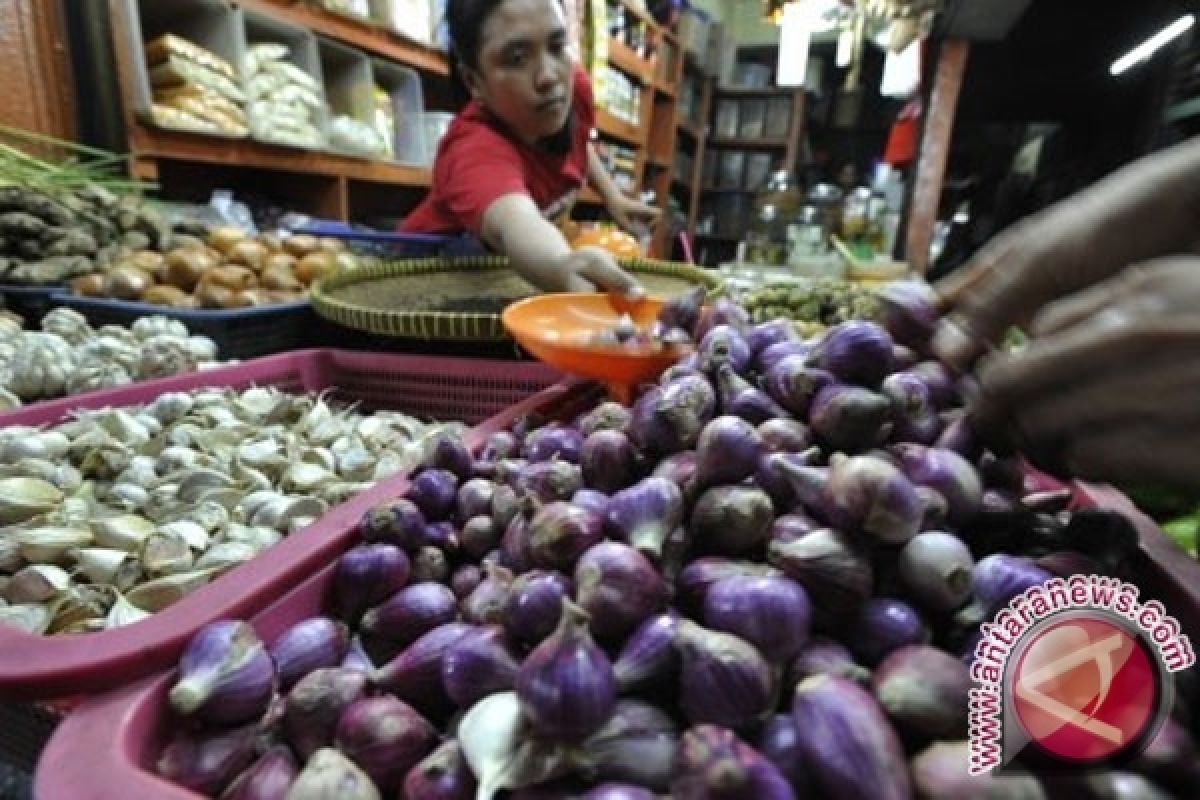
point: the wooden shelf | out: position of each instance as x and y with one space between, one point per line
690 129
724 190
749 144
625 59
355 32
664 89
149 145
619 129
661 162
765 91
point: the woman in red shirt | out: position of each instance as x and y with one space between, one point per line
515 157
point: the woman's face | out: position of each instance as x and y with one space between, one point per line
524 74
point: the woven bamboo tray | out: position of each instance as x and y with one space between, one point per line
458 299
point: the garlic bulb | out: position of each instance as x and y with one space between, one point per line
40 365
97 375
67 323
109 350
146 328
164 355
10 326
202 348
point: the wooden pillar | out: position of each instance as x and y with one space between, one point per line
37 92
934 151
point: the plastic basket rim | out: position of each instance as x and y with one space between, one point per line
488 326
197 314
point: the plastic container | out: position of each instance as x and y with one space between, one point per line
394 244
732 169
239 333
403 87
31 302
779 118
215 25
470 390
348 89
261 28
432 126
727 118
753 118
110 744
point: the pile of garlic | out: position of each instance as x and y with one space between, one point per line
118 512
67 356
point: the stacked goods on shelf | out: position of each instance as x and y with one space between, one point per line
194 89
360 138
285 102
721 591
67 356
384 113
227 269
621 162
119 512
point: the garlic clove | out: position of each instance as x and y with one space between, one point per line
225 556
99 564
329 775
24 498
37 583
50 544
191 532
29 617
161 592
122 532
166 553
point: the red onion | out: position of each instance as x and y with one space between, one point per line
608 416
430 565
856 351
903 357
441 775
807 482
697 578
638 744
207 761
732 520
957 436
913 413
486 604
269 778
618 588
499 445
434 492
309 644
356 658
225 675
549 481
315 705
592 500
722 311
761 336
883 625
775 354
609 461
385 737
442 535
478 663
723 345
727 451
945 471
505 506
740 398
941 770
848 744
478 536
784 435
924 691
909 311
559 533
553 442
645 514
444 450
396 521
715 765
515 545
940 381
669 419
850 419
411 613
831 566
684 368
566 685
535 605
328 773
779 743
792 526
683 310
723 679
868 495
773 614
822 656
648 655
415 676
935 570
679 469
1000 577
474 498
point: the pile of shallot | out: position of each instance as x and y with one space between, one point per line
765 579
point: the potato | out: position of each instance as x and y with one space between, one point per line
280 261
248 253
232 276
226 237
211 295
331 245
315 266
151 261
250 297
186 266
91 285
280 278
127 283
164 295
301 244
273 242
284 296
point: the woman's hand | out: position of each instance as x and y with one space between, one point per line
1109 386
1149 209
632 215
590 269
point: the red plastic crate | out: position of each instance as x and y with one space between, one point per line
111 743
38 667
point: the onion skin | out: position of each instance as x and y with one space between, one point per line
618 588
411 613
309 644
784 435
415 676
435 492
608 416
399 522
856 352
592 500
885 624
474 499
715 765
848 743
948 473
723 680
209 761
553 442
269 778
447 451
909 312
773 355
732 520
225 675
385 737
699 576
500 445
1000 577
935 570
315 705
924 692
645 514
560 533
850 419
441 775
793 384
866 494
648 655
609 461
779 743
773 614
833 569
548 481
486 604
723 346
823 656
535 605
477 664
638 744
727 451
366 576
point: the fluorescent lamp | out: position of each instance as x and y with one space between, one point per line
1149 47
795 37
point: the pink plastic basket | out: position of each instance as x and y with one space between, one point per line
111 743
37 667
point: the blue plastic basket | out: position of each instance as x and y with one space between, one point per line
391 244
239 333
31 302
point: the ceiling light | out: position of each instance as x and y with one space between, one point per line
1149 47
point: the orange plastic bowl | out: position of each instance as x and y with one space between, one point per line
555 329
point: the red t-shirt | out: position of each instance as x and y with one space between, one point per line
478 163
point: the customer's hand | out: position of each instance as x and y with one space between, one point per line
590 269
633 216
1109 386
1146 210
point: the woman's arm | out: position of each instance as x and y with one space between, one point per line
514 226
